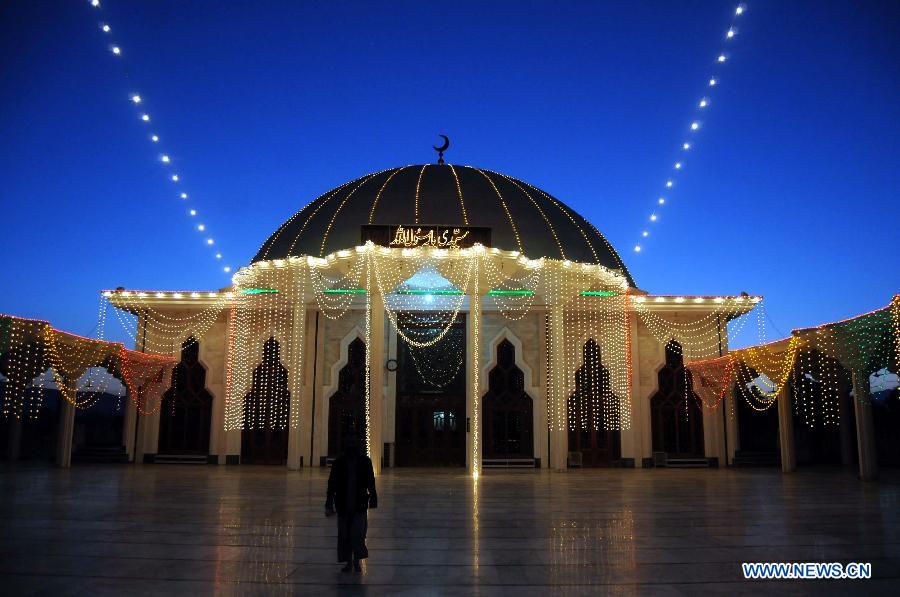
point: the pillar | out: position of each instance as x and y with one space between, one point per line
473 381
296 370
632 437
66 429
786 430
865 430
128 422
559 435
376 379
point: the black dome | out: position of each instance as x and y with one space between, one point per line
521 217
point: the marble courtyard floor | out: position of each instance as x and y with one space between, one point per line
170 529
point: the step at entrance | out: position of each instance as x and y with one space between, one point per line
180 459
519 463
104 454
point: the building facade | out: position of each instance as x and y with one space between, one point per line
445 315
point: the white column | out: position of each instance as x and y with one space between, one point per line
296 371
632 437
865 430
786 430
376 379
475 341
559 435
128 428
66 429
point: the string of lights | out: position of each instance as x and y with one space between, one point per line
36 357
693 129
154 137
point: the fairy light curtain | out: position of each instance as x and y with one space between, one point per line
703 336
811 362
29 348
157 331
268 303
864 344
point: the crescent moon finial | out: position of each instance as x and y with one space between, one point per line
442 148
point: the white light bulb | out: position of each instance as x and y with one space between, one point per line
739 10
154 138
209 241
686 145
145 117
174 178
227 268
95 3
662 201
704 102
201 227
637 248
712 82
218 255
116 50
165 159
669 184
678 165
136 98
184 195
695 125
721 58
645 234
193 212
652 217
105 28
730 33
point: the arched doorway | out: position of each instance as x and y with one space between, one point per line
347 406
186 410
589 432
264 439
431 391
757 442
507 410
822 414
676 416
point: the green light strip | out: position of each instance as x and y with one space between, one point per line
598 293
427 292
345 291
259 291
510 292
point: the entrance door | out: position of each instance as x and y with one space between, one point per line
676 417
507 410
589 407
431 393
347 406
186 411
264 439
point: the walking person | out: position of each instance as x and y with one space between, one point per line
351 492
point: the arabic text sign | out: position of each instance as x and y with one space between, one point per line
444 237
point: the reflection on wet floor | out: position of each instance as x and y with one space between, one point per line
187 530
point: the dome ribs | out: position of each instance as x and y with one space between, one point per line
519 215
340 207
381 190
512 222
263 252
562 252
462 203
562 209
418 187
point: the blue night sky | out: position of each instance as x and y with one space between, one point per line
789 192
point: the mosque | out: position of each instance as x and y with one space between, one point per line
447 316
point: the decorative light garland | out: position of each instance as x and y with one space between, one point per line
695 125
139 102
